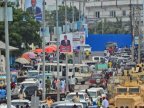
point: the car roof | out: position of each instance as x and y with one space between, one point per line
21 100
93 89
75 93
98 88
65 103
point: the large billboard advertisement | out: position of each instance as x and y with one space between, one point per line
78 39
34 8
66 43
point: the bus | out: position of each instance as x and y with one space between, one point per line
81 73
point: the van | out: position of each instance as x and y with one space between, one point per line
99 59
95 92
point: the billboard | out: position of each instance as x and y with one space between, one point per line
34 8
78 39
66 43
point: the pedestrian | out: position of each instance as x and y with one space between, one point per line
21 94
27 106
40 85
76 98
105 103
99 102
48 85
86 91
49 101
94 104
69 83
53 83
72 83
63 86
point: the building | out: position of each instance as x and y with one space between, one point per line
110 9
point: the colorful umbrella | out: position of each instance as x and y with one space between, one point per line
54 47
49 49
29 55
38 50
22 61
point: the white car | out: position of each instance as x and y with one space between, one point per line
84 98
99 59
20 102
95 92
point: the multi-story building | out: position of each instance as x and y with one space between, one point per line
111 9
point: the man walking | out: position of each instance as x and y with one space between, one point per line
72 83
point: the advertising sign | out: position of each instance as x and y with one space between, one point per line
66 43
78 39
34 8
9 14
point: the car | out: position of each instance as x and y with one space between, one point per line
65 104
95 92
20 102
97 80
84 98
99 59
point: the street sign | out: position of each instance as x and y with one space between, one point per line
9 14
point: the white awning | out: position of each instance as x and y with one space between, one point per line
2 46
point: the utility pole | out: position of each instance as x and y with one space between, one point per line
66 52
73 32
7 56
43 27
132 28
137 28
58 40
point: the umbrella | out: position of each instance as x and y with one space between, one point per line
22 61
3 46
29 55
49 49
38 50
54 47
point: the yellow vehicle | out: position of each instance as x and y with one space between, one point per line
128 95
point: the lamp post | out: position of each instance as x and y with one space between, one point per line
43 37
58 39
7 57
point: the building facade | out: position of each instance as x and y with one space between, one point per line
111 9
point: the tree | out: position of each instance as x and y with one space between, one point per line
61 14
108 27
23 29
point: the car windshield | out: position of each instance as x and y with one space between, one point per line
92 94
70 97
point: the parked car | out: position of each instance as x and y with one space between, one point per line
95 92
99 59
97 80
21 103
84 98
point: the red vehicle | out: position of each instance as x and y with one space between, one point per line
97 80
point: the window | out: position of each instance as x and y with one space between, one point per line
112 13
124 13
97 14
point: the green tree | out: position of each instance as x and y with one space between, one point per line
61 14
23 29
108 27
